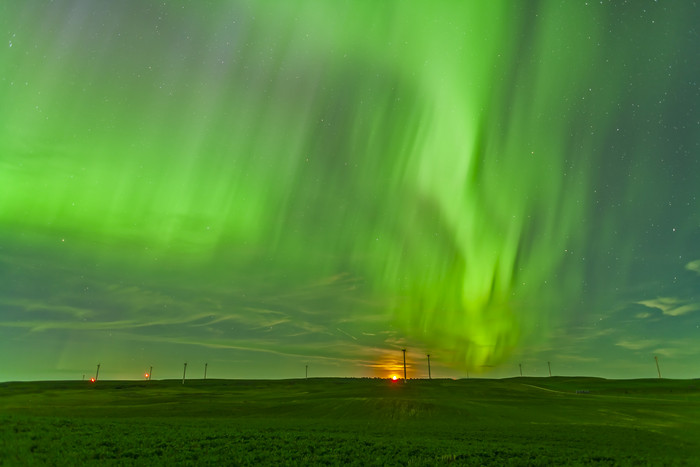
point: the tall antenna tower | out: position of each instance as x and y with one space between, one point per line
205 370
150 373
307 371
183 373
429 375
404 364
657 366
550 369
97 373
521 368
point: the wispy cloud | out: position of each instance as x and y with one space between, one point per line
671 306
34 307
580 334
666 352
637 344
347 334
693 266
678 348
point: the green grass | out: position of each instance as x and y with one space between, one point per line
519 421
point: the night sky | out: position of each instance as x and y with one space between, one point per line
262 186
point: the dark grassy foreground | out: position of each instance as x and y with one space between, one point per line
520 421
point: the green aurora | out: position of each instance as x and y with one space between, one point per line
265 185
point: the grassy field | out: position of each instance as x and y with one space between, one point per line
518 421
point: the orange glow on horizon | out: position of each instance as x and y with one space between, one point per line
394 378
387 366
92 380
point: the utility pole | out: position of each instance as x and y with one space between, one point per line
550 369
429 375
150 373
205 370
307 372
657 365
404 364
97 373
183 373
521 368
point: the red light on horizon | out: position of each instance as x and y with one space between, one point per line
92 380
146 375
